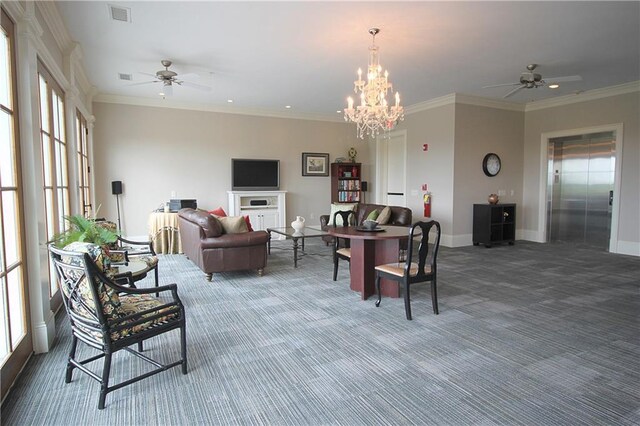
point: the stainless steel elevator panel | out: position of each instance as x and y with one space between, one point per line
580 185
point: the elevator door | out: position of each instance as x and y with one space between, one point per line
581 179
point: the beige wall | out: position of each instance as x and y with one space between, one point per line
478 131
154 151
623 109
434 167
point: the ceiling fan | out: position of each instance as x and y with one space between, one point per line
531 80
168 78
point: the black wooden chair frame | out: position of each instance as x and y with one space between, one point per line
425 258
82 326
345 214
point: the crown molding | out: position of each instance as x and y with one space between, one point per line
164 103
54 21
430 104
462 98
589 95
14 9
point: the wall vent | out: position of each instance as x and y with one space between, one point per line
127 77
119 13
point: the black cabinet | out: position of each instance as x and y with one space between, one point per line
494 223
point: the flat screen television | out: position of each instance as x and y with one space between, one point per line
255 175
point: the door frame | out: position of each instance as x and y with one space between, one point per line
381 166
617 128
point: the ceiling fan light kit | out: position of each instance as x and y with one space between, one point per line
374 114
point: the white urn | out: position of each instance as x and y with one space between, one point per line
298 224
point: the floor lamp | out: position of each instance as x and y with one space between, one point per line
116 189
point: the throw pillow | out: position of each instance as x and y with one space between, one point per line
384 216
373 215
233 224
218 212
210 224
340 207
249 227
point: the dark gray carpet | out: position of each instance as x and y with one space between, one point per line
527 334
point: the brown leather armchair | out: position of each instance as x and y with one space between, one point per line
204 243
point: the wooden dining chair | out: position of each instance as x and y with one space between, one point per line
342 250
411 272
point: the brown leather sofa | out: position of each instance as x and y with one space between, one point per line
400 216
204 243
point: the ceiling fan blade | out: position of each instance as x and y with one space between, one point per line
143 82
514 91
501 85
146 73
561 79
195 86
189 76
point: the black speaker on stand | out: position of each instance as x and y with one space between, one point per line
365 187
116 189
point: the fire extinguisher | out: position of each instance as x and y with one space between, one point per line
427 204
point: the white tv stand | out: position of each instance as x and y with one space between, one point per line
266 209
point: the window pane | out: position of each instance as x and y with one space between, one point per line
48 199
60 195
16 306
10 222
58 163
53 279
4 329
61 127
44 108
55 114
63 165
7 155
46 160
5 74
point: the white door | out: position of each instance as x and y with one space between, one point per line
391 164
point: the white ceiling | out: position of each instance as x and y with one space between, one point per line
265 55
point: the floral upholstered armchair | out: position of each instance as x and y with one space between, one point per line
109 317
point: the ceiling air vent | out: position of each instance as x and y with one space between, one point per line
119 13
127 77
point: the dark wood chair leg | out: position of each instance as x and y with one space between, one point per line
378 292
335 267
156 276
183 347
72 355
434 296
407 301
104 388
140 347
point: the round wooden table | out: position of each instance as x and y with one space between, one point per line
369 249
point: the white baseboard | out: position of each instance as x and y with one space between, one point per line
530 235
632 248
43 334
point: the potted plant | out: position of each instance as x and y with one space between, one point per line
85 230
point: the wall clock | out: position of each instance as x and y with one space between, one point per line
491 164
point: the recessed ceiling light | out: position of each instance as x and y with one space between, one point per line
288 107
338 111
554 86
230 101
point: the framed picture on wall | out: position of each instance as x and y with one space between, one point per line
315 164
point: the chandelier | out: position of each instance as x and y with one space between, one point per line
374 114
